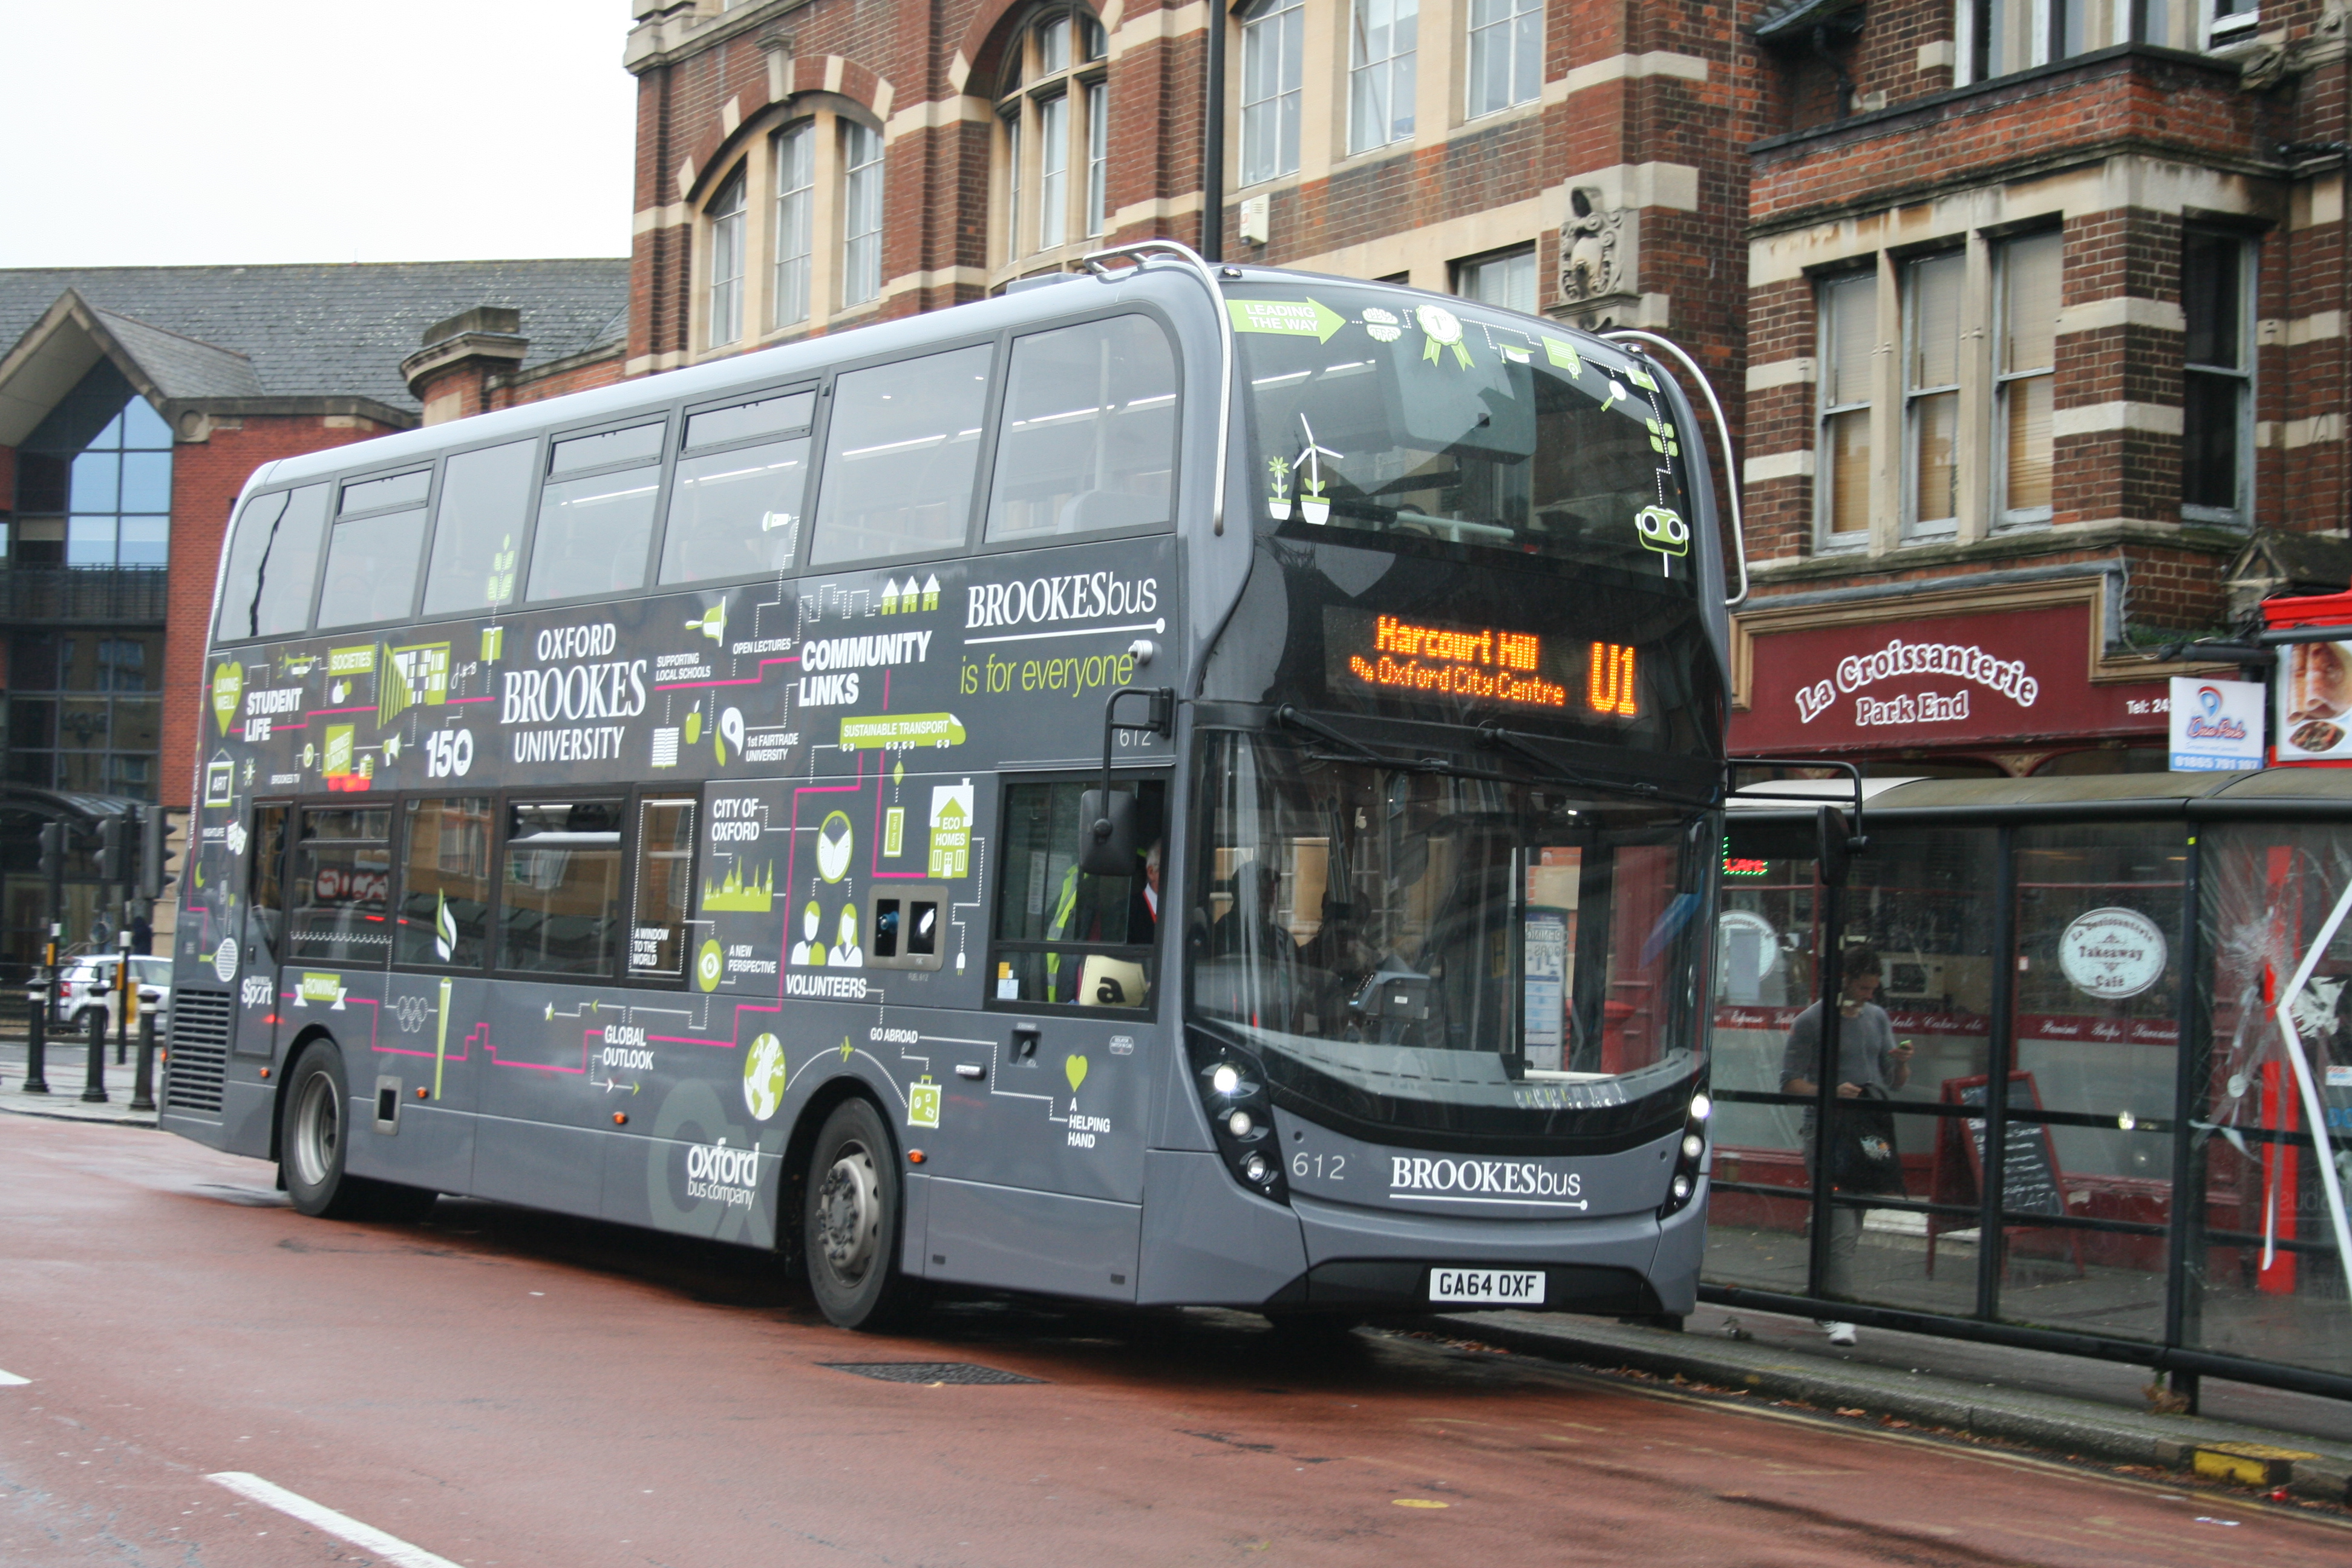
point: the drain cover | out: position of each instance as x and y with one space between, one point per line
927 1372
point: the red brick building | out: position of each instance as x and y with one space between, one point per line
2043 316
2046 323
134 401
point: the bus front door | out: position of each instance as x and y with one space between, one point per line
258 928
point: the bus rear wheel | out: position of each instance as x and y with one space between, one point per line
851 1222
312 1148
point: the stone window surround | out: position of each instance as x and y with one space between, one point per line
1012 255
755 161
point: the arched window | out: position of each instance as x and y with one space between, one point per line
861 213
1053 104
795 155
727 262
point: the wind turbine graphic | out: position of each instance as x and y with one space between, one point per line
1314 500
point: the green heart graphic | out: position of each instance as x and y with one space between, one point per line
228 689
1075 1070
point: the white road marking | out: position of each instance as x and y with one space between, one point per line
367 1537
10 1380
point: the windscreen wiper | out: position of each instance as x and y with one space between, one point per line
1500 739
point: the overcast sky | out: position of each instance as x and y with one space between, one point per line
145 132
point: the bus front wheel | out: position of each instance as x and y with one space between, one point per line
851 1221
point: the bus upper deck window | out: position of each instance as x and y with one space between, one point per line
736 513
769 417
594 530
1089 435
372 558
478 527
901 456
272 565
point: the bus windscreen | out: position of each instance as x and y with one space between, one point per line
1368 414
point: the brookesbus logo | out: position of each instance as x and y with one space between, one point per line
2210 723
720 1174
1413 1177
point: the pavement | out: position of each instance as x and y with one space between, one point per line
68 1072
2270 1439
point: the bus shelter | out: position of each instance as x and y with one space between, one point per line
2158 968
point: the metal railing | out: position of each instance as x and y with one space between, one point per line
83 592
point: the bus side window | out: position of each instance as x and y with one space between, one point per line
272 565
901 456
1089 434
371 559
342 885
559 893
594 530
444 883
735 512
267 897
478 527
1061 935
664 894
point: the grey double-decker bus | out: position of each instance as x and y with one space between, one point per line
1186 784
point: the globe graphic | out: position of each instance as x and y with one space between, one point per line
833 847
763 1077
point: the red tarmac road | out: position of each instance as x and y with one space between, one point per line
500 1388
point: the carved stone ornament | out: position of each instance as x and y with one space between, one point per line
1600 248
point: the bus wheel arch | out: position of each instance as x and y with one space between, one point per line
289 1062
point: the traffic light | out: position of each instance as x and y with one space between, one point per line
153 876
114 851
53 850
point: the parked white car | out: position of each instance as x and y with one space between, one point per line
88 986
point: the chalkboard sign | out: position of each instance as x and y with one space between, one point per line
2030 1182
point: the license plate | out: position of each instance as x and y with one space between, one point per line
1502 1286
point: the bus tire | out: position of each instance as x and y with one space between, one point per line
852 1212
312 1139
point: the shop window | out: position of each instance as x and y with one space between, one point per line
1382 36
795 156
726 307
2025 376
444 883
1505 53
861 213
478 527
2217 294
1849 332
1931 397
1089 435
1274 48
559 892
1506 278
901 451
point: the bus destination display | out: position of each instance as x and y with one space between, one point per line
1363 651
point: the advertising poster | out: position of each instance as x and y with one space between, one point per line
2314 702
2217 725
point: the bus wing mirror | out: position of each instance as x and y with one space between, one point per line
1106 845
1839 844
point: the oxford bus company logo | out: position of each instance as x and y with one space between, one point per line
717 1173
1421 1179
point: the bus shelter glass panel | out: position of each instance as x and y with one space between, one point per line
1923 903
1766 936
2267 1264
2087 1179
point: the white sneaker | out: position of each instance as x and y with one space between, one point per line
1839 1333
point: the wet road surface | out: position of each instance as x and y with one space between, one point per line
495 1387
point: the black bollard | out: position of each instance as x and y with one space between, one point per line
94 1091
142 1082
36 1050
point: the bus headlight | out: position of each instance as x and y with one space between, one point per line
1693 1146
1225 1078
1701 1106
1233 1093
1689 1153
1239 1124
